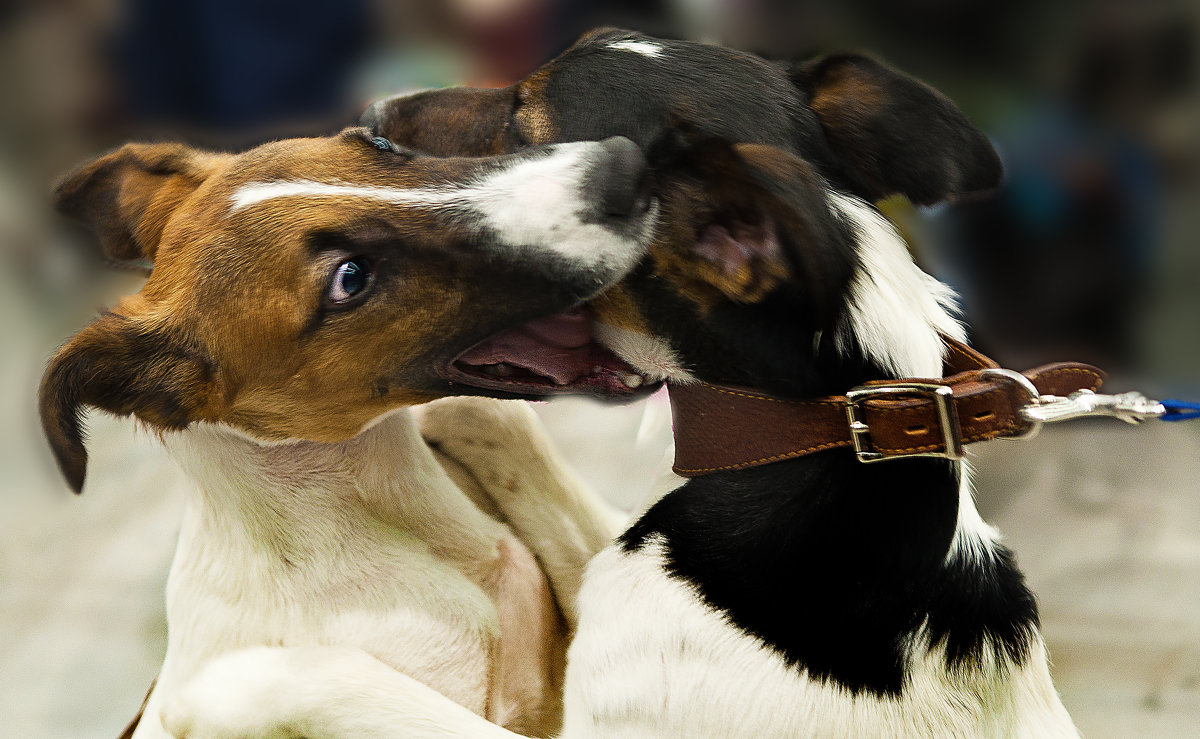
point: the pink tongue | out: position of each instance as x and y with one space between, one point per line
568 330
552 347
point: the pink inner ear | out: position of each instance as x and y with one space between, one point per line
736 251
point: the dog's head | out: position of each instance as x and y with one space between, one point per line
305 287
865 127
760 275
771 267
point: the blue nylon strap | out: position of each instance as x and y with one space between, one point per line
1180 410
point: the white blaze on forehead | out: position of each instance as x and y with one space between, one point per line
537 204
258 192
645 48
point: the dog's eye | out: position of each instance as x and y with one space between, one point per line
350 280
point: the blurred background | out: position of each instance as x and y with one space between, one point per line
1091 251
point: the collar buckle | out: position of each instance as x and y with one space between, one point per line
943 399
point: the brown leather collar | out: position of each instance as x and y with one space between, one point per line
719 427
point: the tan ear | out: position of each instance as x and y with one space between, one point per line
127 196
891 133
122 367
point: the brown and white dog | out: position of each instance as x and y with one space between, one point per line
811 596
302 294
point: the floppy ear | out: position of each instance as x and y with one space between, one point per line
126 196
121 367
894 134
455 121
763 219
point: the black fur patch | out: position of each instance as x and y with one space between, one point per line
595 91
834 565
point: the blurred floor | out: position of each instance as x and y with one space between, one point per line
1105 521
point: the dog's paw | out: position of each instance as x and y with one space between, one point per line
240 694
312 691
479 423
501 442
508 453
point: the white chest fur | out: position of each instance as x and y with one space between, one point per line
364 543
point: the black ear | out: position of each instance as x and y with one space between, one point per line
126 196
123 368
894 134
753 217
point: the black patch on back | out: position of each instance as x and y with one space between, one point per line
833 564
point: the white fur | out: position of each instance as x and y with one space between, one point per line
552 511
651 356
536 205
645 48
895 311
364 543
650 660
974 538
315 692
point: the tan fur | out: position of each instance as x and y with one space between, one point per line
264 371
617 307
533 117
531 661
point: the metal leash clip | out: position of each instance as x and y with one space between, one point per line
1132 407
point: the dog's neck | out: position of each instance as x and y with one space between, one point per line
862 559
303 542
295 500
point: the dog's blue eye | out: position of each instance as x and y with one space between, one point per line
351 279
382 144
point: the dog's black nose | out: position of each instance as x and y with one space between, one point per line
623 188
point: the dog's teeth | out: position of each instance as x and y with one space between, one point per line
498 370
630 380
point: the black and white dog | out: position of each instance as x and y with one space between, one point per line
814 596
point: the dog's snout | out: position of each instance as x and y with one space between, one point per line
621 179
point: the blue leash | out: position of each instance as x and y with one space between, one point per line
1180 410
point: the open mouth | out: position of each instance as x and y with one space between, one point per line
552 355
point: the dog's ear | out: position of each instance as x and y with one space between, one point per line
894 134
755 217
451 122
126 196
122 367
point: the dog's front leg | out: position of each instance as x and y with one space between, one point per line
504 447
317 693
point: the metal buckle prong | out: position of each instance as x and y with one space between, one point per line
943 398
